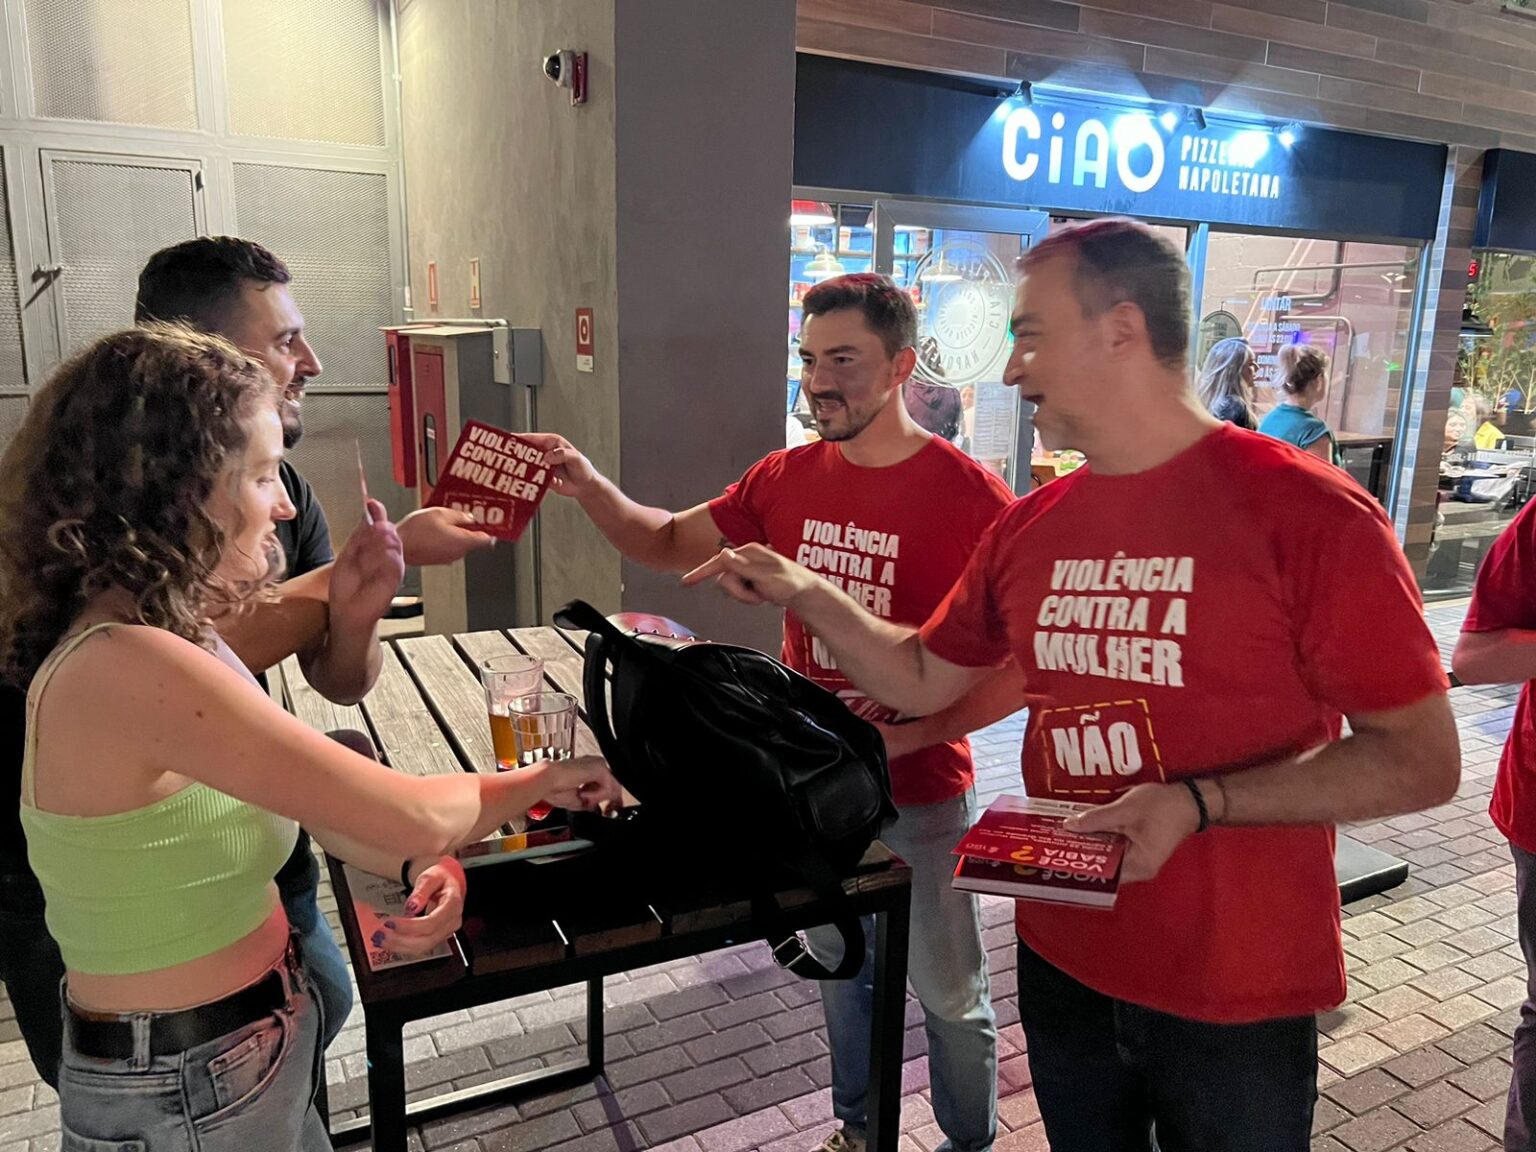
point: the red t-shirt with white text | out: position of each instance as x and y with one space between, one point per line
1505 597
1220 611
895 539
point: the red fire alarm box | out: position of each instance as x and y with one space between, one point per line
460 371
437 434
402 406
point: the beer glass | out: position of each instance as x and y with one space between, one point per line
543 728
505 679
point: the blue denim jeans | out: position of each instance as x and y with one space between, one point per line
947 967
327 967
1110 1076
251 1090
1520 1111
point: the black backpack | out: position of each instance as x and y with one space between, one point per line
749 764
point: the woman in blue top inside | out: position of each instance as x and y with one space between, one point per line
1303 384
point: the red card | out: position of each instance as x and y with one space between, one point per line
497 477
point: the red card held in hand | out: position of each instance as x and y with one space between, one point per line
496 476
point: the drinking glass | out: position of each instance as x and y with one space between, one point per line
505 679
543 728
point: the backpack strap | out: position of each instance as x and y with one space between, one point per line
789 948
580 616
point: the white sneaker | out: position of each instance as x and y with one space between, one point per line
843 1140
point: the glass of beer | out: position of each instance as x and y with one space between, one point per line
505 679
543 728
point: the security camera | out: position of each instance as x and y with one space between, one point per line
560 67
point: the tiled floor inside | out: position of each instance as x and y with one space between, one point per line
725 1053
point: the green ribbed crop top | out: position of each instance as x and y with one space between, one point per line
157 886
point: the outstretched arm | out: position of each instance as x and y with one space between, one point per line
665 541
233 738
885 661
996 698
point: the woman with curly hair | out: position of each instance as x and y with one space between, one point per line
161 787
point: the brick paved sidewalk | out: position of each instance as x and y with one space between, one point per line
725 1053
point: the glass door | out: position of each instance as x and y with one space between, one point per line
1353 301
958 262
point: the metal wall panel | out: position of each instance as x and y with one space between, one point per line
13 409
13 371
106 217
113 61
332 230
309 71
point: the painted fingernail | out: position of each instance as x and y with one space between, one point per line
378 939
390 924
412 907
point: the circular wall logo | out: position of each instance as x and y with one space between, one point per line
966 296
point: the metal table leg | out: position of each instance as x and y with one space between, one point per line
595 1025
888 1031
386 1082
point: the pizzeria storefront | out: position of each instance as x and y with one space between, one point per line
1294 235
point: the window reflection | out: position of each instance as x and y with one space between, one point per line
1489 461
1353 301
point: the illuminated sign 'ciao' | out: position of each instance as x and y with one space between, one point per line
1136 150
1071 154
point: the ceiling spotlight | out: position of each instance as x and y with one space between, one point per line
1024 93
1169 120
815 213
1288 134
1195 118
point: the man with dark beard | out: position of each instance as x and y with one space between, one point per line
890 513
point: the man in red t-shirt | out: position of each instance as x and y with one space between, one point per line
1498 646
1193 612
889 514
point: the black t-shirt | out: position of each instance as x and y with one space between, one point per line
1234 411
306 542
306 539
13 735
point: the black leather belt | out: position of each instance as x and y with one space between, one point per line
173 1032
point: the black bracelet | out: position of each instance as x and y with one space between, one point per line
1205 815
405 877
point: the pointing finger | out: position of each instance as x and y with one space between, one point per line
716 565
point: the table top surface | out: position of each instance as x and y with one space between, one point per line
426 716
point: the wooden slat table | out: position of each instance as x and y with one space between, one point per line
530 927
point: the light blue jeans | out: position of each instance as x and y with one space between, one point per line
947 967
251 1090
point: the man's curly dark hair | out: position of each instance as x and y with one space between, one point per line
106 483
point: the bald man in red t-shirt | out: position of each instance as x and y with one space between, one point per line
1194 613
